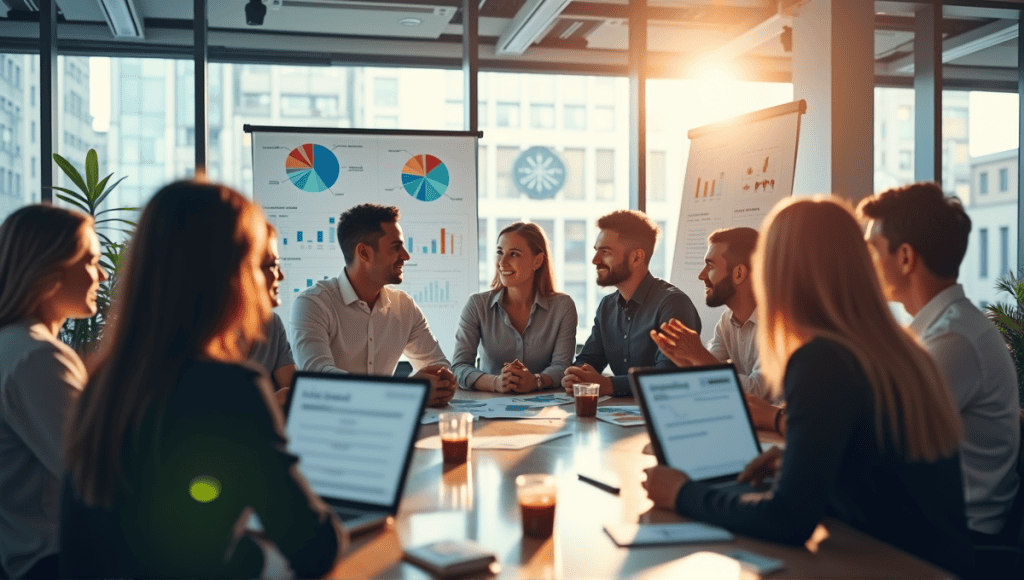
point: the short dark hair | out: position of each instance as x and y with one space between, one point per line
361 225
920 214
634 227
739 245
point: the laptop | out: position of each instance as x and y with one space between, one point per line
698 422
354 436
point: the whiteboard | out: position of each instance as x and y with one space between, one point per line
305 178
737 171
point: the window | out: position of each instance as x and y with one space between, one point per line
386 122
296 106
481 163
576 267
506 157
507 115
256 103
575 175
604 118
656 176
658 259
983 182
485 256
1004 251
983 253
453 115
605 189
906 160
574 117
1004 179
542 116
385 92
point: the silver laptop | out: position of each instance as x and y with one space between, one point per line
354 436
698 421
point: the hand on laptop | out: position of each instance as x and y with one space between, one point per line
586 374
663 484
764 465
682 345
442 384
516 378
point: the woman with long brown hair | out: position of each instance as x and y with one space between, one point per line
527 329
872 432
175 442
49 272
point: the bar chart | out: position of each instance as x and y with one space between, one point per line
442 242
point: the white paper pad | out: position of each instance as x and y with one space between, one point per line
513 443
655 534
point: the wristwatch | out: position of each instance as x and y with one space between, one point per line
540 384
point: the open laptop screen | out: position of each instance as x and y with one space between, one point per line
698 420
354 434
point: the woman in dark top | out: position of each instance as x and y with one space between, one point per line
872 432
175 443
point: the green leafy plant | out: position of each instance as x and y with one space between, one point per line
1009 318
83 334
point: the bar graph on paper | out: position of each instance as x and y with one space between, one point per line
435 288
302 231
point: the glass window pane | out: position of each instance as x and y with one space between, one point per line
506 156
575 173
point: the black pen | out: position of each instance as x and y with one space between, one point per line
599 484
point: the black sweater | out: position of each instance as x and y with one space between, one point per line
217 423
834 466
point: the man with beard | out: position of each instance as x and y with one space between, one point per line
355 323
726 276
620 338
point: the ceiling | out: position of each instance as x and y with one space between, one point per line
980 38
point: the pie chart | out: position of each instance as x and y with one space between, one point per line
425 177
312 167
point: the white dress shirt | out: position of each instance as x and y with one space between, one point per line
973 356
738 342
335 331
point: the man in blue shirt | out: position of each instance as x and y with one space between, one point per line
621 337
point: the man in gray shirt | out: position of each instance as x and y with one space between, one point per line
918 237
621 337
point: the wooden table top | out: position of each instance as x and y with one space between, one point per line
478 501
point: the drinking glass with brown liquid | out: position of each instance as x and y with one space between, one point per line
586 399
537 495
456 432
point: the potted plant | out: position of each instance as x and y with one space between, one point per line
83 334
1009 318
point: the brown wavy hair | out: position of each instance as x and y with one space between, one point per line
36 242
537 241
192 287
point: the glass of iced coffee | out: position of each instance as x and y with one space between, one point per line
456 433
537 493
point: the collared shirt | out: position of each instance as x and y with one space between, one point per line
738 342
621 335
335 331
546 345
973 356
41 379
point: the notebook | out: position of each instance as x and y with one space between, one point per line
698 421
354 437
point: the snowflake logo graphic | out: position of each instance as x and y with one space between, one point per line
539 172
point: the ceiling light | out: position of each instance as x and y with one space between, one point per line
410 22
122 18
529 25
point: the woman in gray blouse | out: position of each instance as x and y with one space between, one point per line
528 330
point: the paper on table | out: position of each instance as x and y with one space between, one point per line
513 443
654 534
496 409
621 415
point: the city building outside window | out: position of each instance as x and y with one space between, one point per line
1004 179
1004 251
983 253
385 92
575 172
983 182
506 156
605 186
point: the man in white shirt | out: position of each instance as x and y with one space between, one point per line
726 276
918 237
356 323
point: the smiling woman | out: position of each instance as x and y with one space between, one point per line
49 271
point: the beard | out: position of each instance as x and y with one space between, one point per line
721 292
615 275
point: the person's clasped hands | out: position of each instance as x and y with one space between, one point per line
442 384
516 378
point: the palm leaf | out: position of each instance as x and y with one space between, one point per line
71 172
74 202
104 195
92 173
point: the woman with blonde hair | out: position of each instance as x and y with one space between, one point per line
872 433
175 442
49 272
527 329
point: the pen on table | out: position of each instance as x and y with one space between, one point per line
599 484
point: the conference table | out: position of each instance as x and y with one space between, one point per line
477 501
